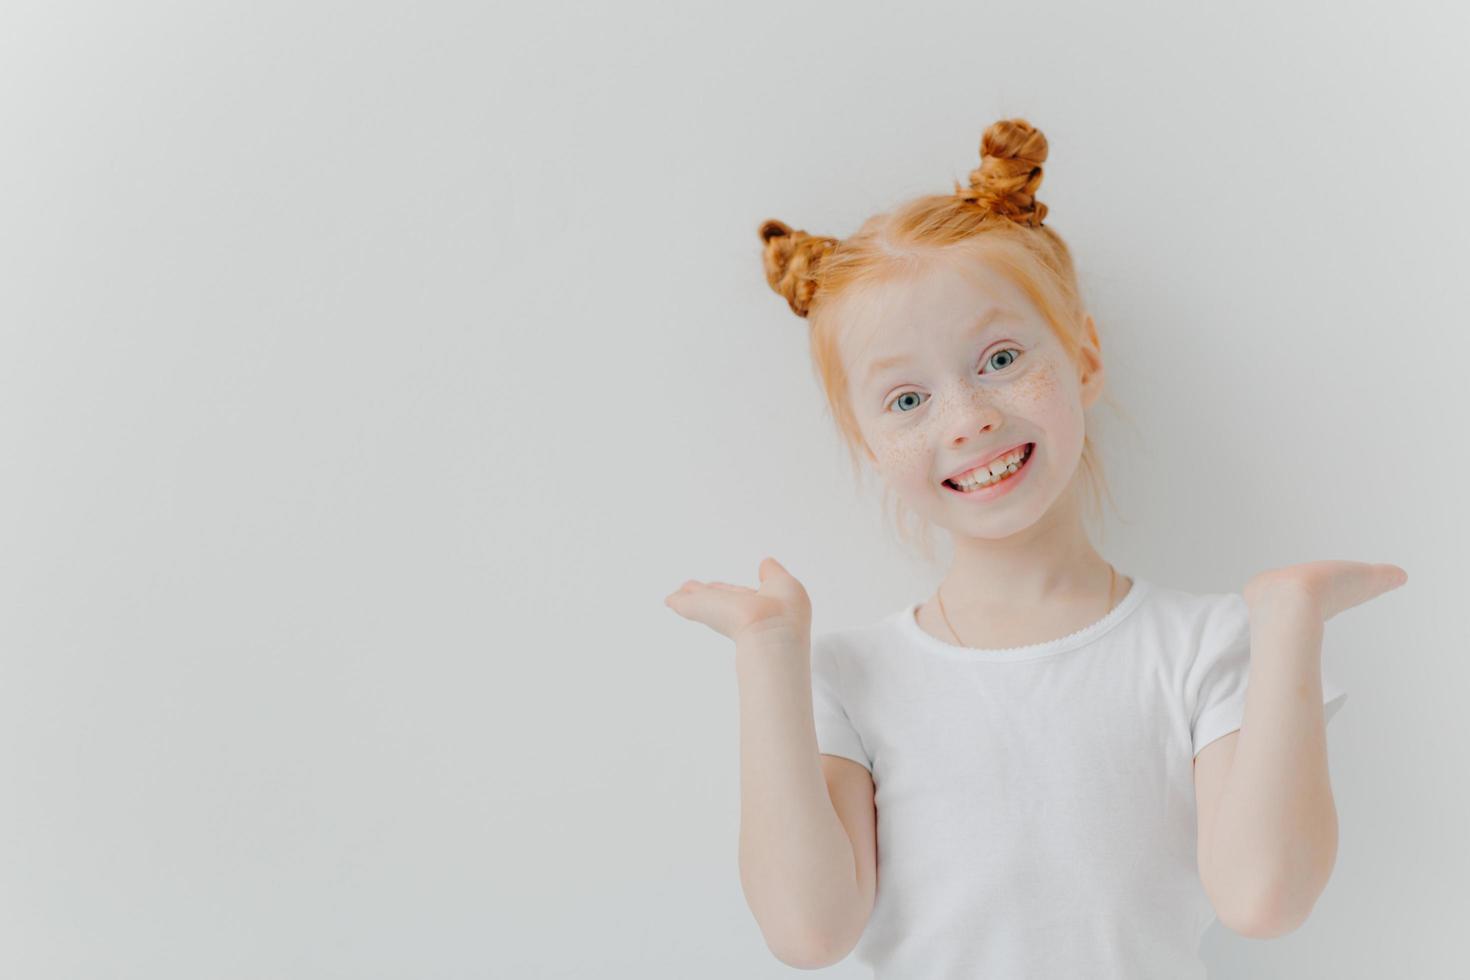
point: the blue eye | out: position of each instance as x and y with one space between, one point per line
992 357
902 395
1006 350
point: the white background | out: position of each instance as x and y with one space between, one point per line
370 372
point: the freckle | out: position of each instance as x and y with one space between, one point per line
902 451
1038 385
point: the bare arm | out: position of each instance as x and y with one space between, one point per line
1268 849
808 884
797 865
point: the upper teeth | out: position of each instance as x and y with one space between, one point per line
991 471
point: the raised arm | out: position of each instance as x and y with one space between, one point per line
798 868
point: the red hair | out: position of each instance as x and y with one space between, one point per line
996 220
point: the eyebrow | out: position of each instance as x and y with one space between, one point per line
986 320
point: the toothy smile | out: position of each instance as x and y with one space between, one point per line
995 471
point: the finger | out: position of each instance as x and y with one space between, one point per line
693 586
1355 583
770 566
682 599
1380 578
689 586
707 606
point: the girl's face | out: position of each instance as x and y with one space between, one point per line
955 366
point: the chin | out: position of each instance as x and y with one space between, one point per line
996 530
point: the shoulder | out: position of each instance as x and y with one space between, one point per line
853 642
1197 612
842 650
1173 601
1193 634
833 644
859 657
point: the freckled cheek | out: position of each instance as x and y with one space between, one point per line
1036 390
1040 398
903 458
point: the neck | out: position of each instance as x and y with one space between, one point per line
1051 561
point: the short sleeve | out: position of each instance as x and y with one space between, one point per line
836 734
1217 681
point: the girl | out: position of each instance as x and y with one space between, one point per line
1050 768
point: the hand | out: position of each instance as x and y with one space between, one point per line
779 608
1328 587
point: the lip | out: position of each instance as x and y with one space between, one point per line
996 489
985 459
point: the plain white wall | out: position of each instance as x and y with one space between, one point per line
370 372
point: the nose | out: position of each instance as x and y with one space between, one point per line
975 420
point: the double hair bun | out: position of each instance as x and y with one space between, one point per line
1012 152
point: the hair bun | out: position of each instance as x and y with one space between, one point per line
791 261
1011 154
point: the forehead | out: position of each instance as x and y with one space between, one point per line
942 299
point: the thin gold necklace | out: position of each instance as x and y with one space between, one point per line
939 594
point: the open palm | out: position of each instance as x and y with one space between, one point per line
1329 586
779 609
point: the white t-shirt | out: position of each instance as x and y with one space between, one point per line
1036 811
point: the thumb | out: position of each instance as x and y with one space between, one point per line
769 567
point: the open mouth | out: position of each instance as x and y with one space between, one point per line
1010 474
